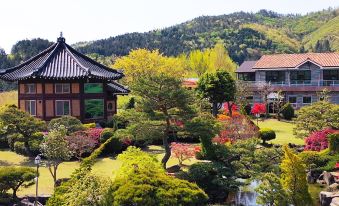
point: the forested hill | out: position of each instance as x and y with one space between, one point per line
246 35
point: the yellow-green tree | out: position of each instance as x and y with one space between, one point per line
158 81
211 60
293 178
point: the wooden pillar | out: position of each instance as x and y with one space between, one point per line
105 99
82 102
43 100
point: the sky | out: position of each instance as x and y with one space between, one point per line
86 20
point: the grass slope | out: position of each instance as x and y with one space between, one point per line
279 37
283 130
10 97
328 31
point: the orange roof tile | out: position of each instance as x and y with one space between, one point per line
293 60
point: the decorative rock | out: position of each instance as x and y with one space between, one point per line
312 176
335 201
333 187
326 177
329 178
327 197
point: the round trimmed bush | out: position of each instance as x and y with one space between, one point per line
333 140
266 134
89 125
288 111
115 146
72 124
19 148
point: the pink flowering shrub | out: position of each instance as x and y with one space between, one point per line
184 151
81 143
94 133
318 140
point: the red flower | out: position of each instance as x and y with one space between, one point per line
258 108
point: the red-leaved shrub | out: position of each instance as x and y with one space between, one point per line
258 108
237 127
184 151
318 140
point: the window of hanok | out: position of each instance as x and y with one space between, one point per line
30 89
62 107
62 88
30 107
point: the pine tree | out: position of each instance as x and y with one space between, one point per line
293 178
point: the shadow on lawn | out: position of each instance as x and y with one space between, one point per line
153 150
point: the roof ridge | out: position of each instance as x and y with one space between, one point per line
75 59
47 59
31 59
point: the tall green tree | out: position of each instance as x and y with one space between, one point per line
21 125
55 148
293 178
158 81
218 88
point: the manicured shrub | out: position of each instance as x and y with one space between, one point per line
13 177
266 134
4 142
214 178
313 159
333 140
89 125
19 148
115 146
288 111
72 124
183 151
318 140
141 180
105 134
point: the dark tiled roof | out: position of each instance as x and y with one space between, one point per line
294 60
246 66
118 88
60 61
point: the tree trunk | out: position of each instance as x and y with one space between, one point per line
27 149
55 175
214 109
165 141
14 193
229 105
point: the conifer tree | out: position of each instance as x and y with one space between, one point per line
293 178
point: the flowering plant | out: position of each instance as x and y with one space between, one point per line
184 151
318 140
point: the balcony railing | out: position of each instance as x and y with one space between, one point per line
294 83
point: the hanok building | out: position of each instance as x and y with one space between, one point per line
300 77
61 81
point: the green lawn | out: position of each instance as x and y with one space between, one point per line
104 166
283 130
